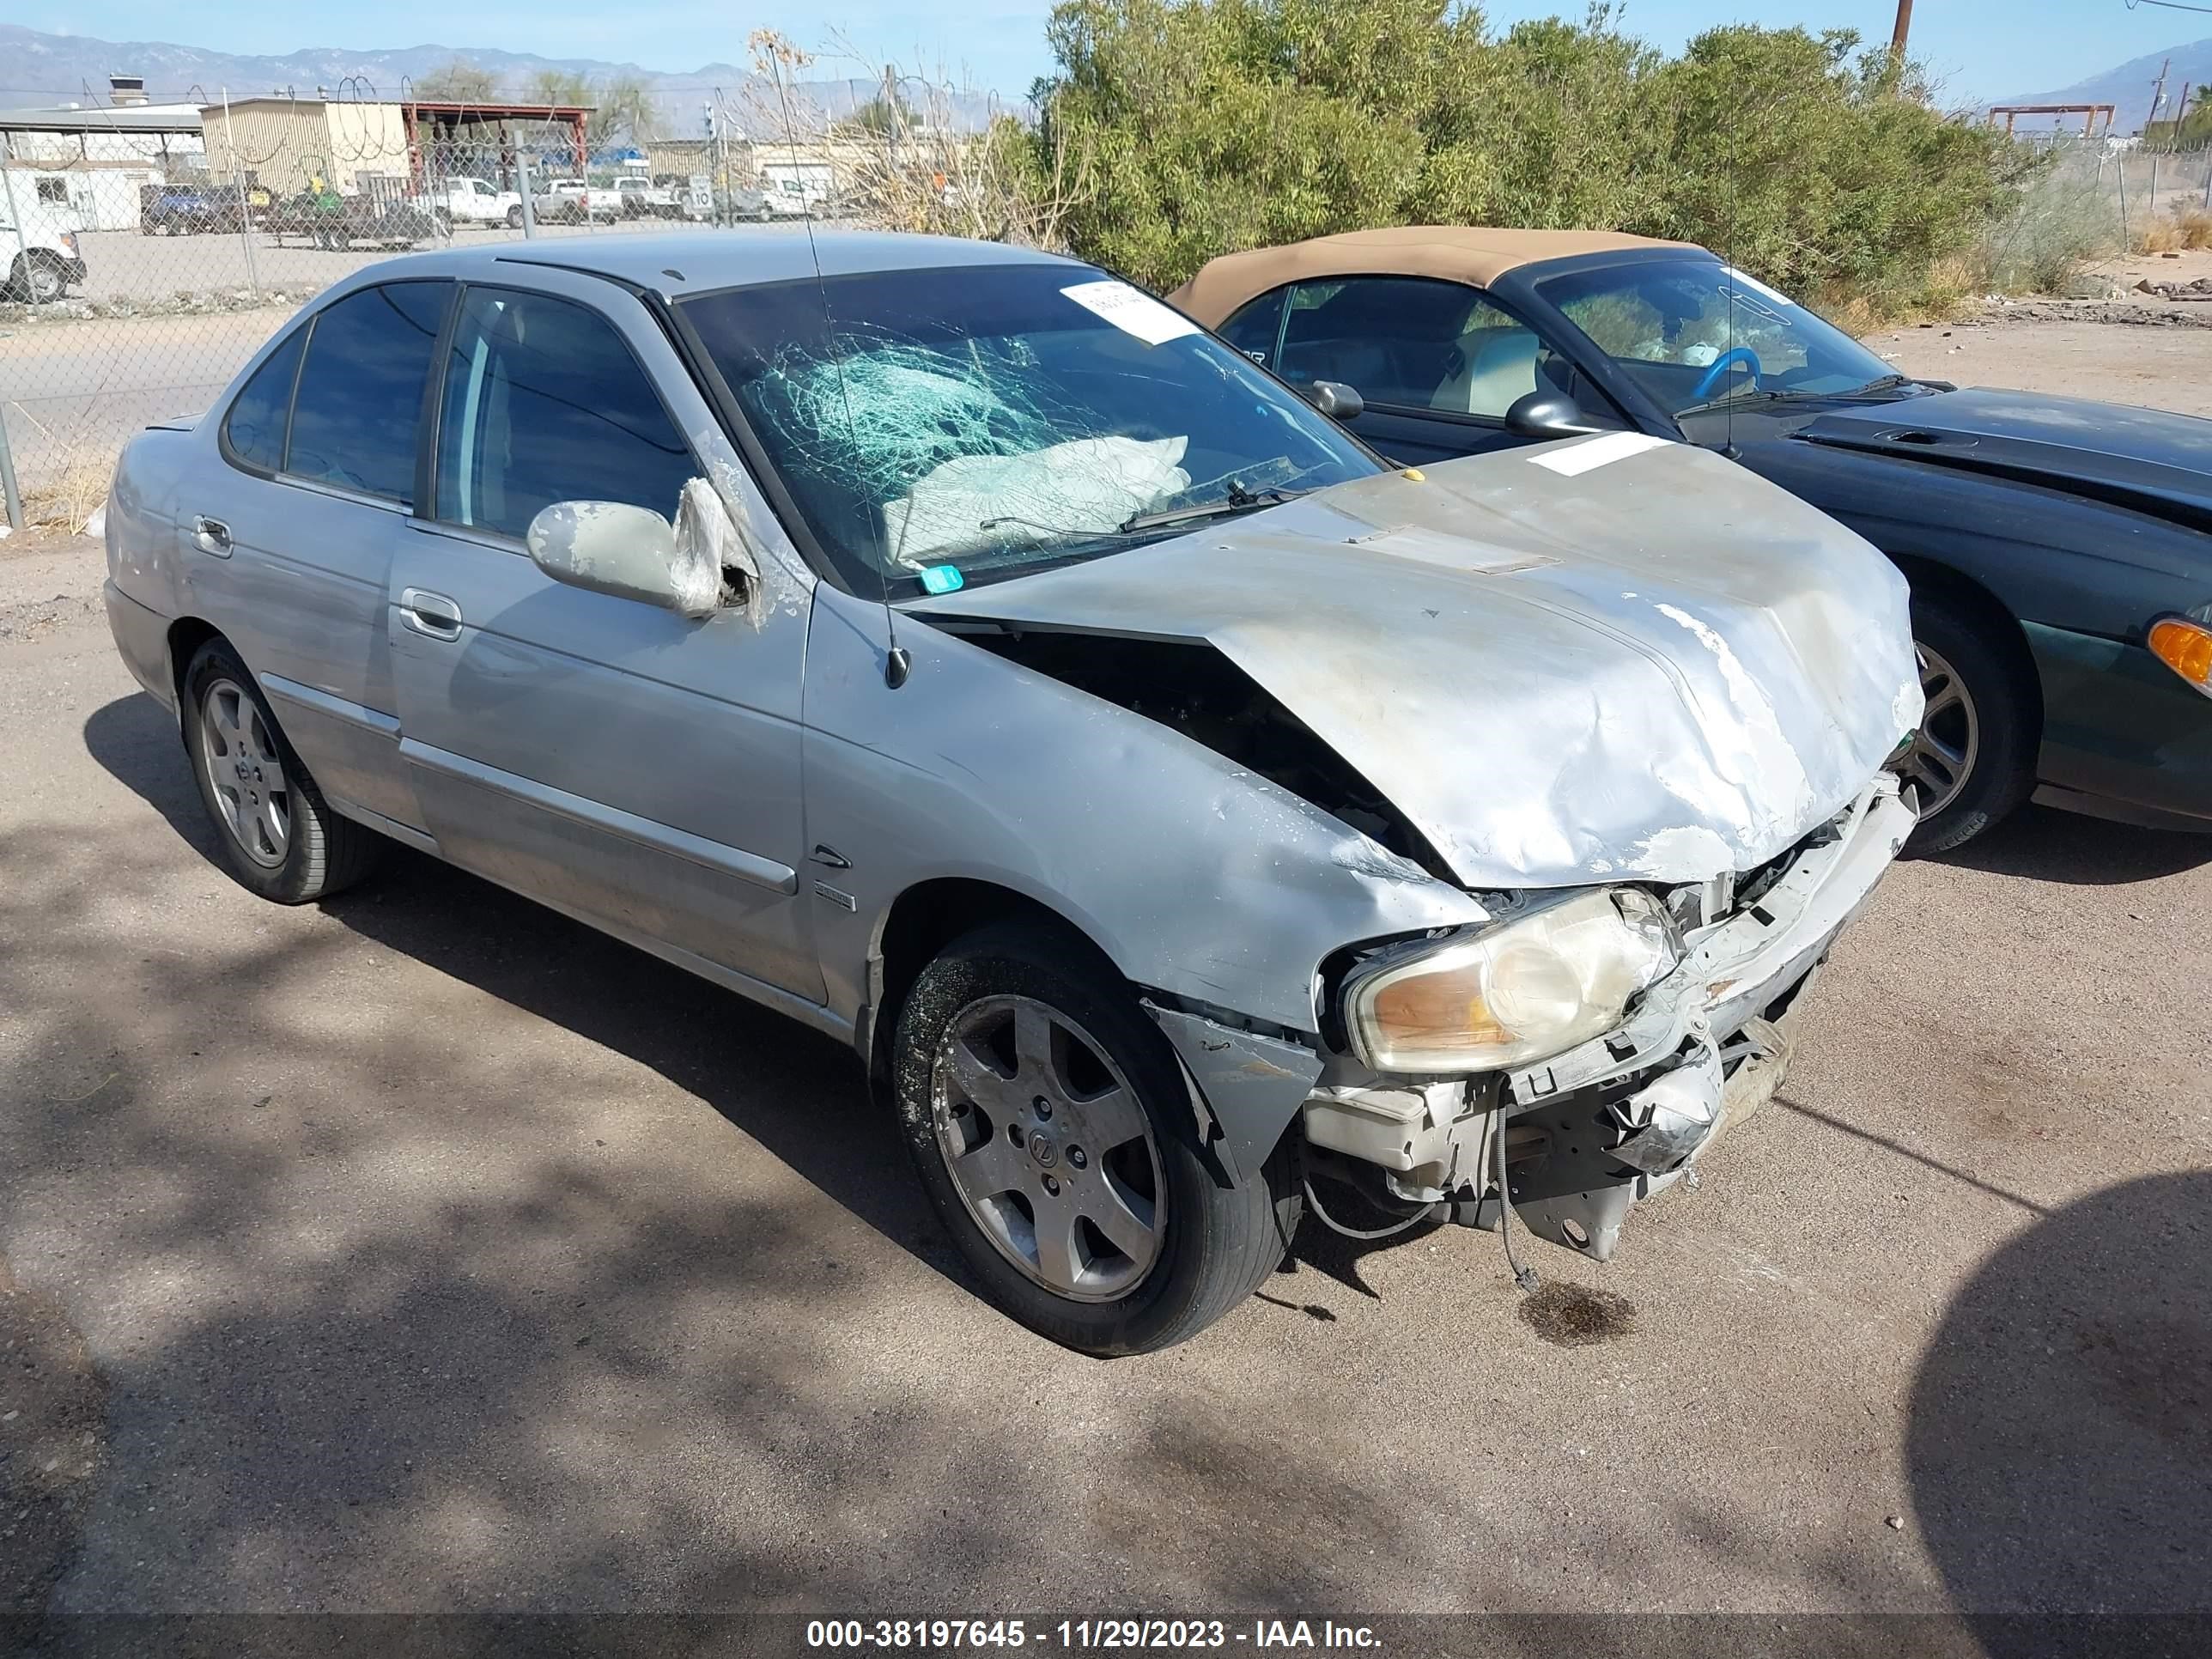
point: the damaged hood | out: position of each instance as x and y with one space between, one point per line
1611 657
2149 458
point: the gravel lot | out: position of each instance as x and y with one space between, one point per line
434 1253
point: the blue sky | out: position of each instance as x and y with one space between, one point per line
1980 48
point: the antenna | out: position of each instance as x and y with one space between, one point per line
897 663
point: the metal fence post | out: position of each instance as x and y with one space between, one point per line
10 497
15 215
522 189
237 184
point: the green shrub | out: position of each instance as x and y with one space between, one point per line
1212 125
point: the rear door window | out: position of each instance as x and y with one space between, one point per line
359 401
544 403
253 431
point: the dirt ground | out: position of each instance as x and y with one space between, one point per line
435 1253
2166 367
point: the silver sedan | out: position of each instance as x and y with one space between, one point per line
1194 822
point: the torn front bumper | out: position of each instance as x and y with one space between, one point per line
1591 1130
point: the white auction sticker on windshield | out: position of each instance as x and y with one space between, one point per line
1757 287
1132 311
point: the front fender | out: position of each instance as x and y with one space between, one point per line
1196 877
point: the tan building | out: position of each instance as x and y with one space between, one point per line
284 144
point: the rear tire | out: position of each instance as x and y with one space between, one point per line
1973 759
279 838
1106 1074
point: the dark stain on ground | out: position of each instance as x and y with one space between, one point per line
53 1425
1575 1315
1311 1309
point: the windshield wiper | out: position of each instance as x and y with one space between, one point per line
1238 500
1871 391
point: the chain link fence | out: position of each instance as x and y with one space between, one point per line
150 251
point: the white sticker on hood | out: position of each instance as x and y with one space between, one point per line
1132 311
1575 460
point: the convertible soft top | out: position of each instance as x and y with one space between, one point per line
1460 253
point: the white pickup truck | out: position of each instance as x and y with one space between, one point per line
469 201
643 199
38 259
572 201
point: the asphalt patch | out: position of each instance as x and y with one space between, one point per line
1576 1317
53 1432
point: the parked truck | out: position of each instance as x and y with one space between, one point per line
641 199
38 256
575 201
470 201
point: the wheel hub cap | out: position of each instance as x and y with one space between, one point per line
244 774
1940 757
1046 1146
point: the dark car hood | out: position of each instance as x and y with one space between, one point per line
2145 458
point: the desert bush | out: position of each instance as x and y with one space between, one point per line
2065 218
1218 124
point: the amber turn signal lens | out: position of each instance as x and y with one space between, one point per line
2184 646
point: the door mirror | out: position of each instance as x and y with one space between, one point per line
1336 400
1546 413
609 547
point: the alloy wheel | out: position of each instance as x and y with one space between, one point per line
1048 1147
1942 753
244 772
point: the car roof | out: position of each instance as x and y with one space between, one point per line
680 263
1459 253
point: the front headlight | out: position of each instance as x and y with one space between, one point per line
1520 992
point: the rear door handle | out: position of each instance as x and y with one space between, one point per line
431 615
211 535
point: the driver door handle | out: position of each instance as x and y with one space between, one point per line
431 615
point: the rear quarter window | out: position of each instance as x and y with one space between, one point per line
253 430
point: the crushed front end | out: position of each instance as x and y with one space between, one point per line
1583 1134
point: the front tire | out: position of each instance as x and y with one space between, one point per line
279 838
1973 761
39 279
1050 1125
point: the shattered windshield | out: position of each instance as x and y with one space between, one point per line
1696 331
937 427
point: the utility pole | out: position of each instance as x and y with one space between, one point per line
2157 92
1904 27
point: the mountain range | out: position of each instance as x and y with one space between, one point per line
41 70
2128 87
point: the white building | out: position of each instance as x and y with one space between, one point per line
83 169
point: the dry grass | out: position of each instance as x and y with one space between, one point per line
2190 228
70 481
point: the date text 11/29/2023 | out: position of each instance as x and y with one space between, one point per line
1086 1634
